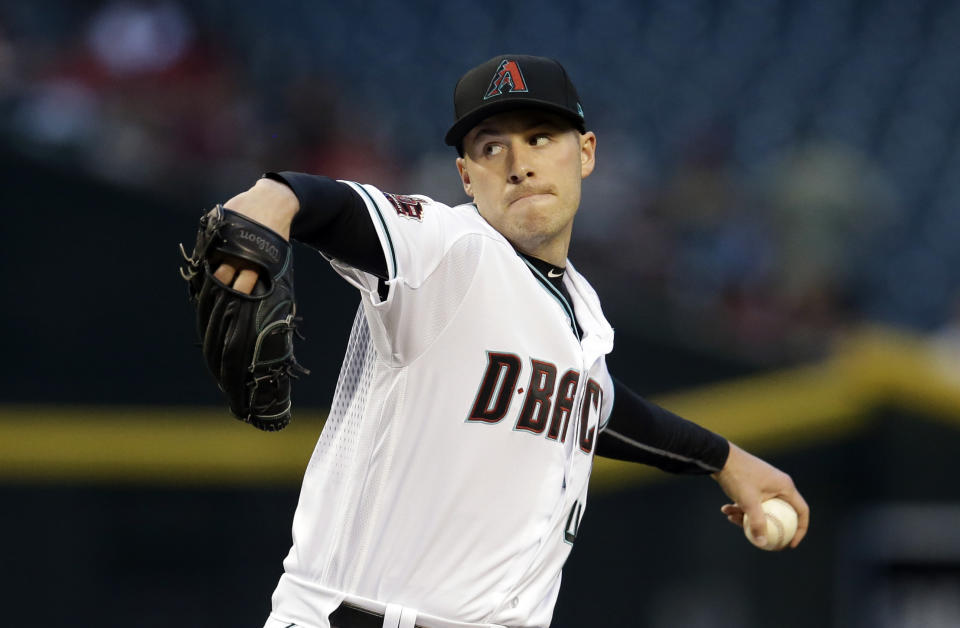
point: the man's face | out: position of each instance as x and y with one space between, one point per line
523 170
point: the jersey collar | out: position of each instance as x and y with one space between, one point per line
551 278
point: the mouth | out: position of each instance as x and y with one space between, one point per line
528 194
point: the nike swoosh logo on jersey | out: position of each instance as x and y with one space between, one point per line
550 273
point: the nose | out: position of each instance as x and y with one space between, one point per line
520 166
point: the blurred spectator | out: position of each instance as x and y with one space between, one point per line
132 38
828 202
325 136
746 241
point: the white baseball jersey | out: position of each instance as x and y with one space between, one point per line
452 472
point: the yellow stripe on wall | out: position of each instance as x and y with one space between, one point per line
872 367
202 446
149 445
786 409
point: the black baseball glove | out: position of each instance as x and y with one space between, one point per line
247 339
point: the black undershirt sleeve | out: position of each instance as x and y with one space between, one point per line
641 431
334 220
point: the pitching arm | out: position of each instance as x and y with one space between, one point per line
641 431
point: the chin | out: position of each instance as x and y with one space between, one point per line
534 231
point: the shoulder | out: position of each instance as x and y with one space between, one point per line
454 221
467 217
419 231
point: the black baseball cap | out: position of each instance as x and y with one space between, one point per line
511 82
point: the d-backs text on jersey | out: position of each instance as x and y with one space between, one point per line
548 401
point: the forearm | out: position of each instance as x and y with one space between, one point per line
641 431
333 219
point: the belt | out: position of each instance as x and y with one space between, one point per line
349 616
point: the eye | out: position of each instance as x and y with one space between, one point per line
540 139
492 149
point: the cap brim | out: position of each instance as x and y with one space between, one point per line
462 126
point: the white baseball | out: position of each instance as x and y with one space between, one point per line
781 524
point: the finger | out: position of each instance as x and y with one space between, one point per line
246 280
758 522
225 273
734 514
803 517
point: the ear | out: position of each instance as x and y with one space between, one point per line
588 153
464 176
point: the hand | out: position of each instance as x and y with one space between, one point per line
273 205
749 481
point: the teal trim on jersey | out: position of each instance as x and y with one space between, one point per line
386 230
556 294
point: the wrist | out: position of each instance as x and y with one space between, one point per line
277 195
732 451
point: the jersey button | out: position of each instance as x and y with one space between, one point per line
515 602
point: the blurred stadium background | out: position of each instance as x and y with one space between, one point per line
773 228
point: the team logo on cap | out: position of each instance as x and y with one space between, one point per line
507 77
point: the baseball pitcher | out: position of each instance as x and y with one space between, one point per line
449 481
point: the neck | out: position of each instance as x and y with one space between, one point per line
553 251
